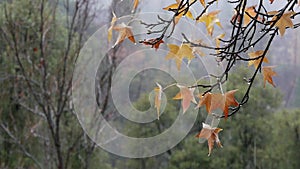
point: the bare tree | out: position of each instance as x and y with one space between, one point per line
44 39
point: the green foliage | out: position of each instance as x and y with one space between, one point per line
282 150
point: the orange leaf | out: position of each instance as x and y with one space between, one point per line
271 1
268 73
230 101
256 54
217 101
205 100
124 32
153 42
210 19
211 134
187 96
214 101
202 3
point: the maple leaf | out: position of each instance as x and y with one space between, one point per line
271 1
247 16
182 12
210 19
180 52
284 21
135 5
229 101
112 24
267 74
211 134
155 42
205 100
157 102
256 54
223 101
187 96
124 32
213 101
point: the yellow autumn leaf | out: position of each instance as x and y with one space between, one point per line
182 12
210 19
179 53
284 21
256 54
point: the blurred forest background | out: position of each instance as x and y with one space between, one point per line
39 43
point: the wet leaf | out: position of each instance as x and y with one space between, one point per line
186 95
124 32
256 54
268 74
182 12
214 101
284 21
179 53
212 136
210 19
154 43
157 102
